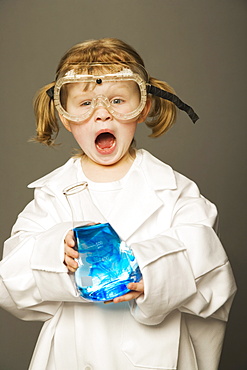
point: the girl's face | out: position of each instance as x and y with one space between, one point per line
104 139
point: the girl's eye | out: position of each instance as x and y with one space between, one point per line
85 103
117 101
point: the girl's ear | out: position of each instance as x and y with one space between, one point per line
145 111
65 122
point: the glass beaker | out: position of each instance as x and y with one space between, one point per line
106 265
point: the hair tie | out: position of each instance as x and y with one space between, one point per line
50 92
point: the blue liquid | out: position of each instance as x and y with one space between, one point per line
106 264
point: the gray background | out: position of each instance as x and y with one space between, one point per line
199 47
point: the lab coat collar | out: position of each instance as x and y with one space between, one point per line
57 180
159 175
147 177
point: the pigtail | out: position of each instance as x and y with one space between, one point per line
163 112
46 121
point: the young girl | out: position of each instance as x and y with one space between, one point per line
174 318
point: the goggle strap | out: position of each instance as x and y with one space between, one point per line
174 99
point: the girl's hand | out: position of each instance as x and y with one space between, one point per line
69 253
137 289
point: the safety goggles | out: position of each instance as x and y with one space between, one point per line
123 92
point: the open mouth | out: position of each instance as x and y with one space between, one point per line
105 142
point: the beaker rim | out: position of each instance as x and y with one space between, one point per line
75 188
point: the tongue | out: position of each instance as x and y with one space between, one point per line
105 140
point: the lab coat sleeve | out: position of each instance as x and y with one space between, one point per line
185 268
34 280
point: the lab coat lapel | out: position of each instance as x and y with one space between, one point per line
55 183
149 176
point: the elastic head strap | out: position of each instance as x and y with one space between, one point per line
174 99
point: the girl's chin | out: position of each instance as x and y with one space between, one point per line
109 156
107 159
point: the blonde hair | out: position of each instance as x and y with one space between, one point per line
107 50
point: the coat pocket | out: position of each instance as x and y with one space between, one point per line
152 347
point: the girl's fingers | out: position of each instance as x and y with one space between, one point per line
127 297
137 289
69 253
69 239
71 264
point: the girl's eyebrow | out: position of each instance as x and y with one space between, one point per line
79 95
79 92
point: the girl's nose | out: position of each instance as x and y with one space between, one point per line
102 114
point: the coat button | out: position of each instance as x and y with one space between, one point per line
88 368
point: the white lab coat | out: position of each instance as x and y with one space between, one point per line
178 323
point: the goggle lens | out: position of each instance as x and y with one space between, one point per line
122 99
